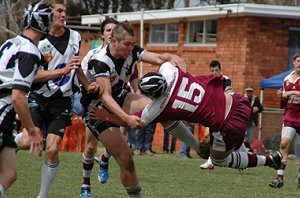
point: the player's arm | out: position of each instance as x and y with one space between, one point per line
287 94
106 97
90 87
20 104
45 75
158 59
100 113
134 84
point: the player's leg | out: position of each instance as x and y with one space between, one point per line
8 168
178 130
223 153
113 140
51 164
59 117
88 159
287 135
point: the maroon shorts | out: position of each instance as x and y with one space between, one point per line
235 125
291 118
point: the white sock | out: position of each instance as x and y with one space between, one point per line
209 161
180 131
134 191
48 174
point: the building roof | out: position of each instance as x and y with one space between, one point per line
212 12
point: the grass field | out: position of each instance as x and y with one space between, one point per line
161 176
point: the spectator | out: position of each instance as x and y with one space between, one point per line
131 139
166 148
144 138
256 108
185 149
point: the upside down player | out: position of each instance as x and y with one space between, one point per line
180 96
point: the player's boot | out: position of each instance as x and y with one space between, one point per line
85 191
103 172
207 165
276 158
298 186
276 183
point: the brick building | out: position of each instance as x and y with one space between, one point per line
252 41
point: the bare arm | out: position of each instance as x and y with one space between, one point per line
105 94
21 107
286 94
134 85
45 75
92 87
158 59
99 113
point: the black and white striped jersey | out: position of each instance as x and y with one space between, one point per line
120 71
57 52
19 60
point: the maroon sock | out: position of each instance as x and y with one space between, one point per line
103 158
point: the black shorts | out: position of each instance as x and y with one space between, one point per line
6 129
52 115
98 126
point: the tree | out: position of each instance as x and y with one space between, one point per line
11 18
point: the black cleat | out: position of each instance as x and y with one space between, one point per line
276 158
277 183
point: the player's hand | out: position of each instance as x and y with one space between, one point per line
93 87
35 139
279 93
98 113
255 109
286 94
178 61
133 122
74 63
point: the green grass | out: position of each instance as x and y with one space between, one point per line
161 176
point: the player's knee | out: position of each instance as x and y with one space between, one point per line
51 152
12 175
90 150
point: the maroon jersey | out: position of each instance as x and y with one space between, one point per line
291 114
196 99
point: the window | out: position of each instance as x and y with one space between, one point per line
164 33
294 44
202 32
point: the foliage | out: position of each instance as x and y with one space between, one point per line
161 175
